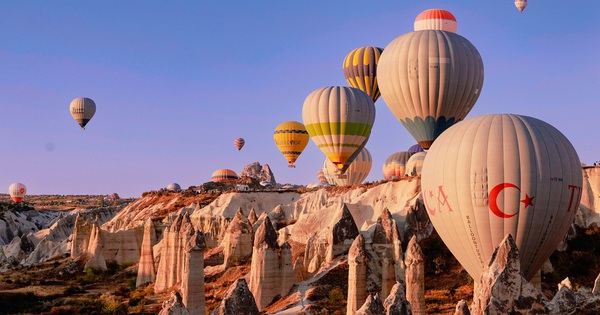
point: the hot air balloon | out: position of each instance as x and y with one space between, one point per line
330 177
360 70
339 120
321 176
17 191
415 164
415 148
430 80
395 165
82 110
436 19
223 174
501 174
521 4
357 172
239 143
174 187
291 138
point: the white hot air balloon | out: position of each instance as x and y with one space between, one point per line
17 191
82 109
501 174
414 165
357 172
174 187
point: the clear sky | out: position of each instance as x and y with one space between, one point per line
175 82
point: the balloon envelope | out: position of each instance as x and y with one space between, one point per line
498 174
430 80
436 19
17 191
357 172
339 120
414 165
521 4
291 138
395 165
174 187
360 70
239 143
223 174
415 148
82 109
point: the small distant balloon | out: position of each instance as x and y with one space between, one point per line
415 164
521 4
82 109
174 187
394 166
17 191
224 174
436 19
239 143
415 148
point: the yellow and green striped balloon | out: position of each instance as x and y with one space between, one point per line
360 70
339 120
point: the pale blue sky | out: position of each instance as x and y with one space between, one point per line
176 82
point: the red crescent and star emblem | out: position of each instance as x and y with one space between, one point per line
493 200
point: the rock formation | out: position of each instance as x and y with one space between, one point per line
415 276
237 300
396 303
342 235
95 250
271 271
417 222
238 240
175 238
252 217
299 270
502 289
373 306
386 241
596 289
462 308
357 275
146 271
174 305
314 254
81 236
192 283
258 172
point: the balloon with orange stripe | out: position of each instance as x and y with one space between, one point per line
360 70
436 19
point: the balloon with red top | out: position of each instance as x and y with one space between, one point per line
436 19
17 191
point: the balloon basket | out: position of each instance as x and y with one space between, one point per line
342 176
291 166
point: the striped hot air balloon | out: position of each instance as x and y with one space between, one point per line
415 164
223 174
360 70
321 176
17 191
339 120
395 165
436 19
82 109
291 138
239 143
501 174
357 172
430 80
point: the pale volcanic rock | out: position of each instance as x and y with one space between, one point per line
238 241
146 267
373 306
589 210
123 246
262 173
462 308
502 289
81 236
299 270
95 250
417 222
386 240
175 238
46 250
565 283
271 270
278 217
357 275
415 276
342 235
174 305
192 284
238 300
252 217
396 303
314 253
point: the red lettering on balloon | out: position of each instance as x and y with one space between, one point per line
574 190
442 200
